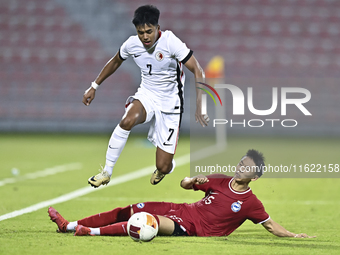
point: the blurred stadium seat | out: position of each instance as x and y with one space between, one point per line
52 49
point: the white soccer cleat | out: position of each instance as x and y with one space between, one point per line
103 178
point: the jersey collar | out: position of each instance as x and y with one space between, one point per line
237 192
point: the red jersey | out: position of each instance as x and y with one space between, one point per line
221 211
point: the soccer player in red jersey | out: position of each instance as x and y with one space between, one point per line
228 202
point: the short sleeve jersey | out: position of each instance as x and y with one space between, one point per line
223 209
161 69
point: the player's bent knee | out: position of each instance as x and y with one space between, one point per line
128 122
164 167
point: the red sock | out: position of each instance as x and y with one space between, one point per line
118 229
103 219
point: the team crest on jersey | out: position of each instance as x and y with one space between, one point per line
140 205
159 56
236 206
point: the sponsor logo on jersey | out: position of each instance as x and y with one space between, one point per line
140 205
159 56
236 206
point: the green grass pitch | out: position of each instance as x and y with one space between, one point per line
301 205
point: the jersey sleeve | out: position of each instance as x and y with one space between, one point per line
258 214
124 50
178 49
215 180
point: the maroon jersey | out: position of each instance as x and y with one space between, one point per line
221 211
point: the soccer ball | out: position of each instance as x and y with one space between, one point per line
142 226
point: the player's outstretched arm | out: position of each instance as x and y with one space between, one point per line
187 182
193 65
278 230
108 69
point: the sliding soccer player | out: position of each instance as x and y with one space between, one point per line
228 202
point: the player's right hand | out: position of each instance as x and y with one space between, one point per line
89 96
200 179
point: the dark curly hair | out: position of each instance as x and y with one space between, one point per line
146 15
258 159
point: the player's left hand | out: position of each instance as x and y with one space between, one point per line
202 119
303 235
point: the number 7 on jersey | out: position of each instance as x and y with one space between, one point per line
150 68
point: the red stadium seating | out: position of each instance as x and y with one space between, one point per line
46 52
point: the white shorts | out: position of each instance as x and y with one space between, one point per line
164 129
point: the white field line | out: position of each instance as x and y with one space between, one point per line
42 173
83 191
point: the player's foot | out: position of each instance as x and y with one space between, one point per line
58 219
102 178
82 231
156 177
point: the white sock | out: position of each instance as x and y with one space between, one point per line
95 231
173 166
72 226
116 145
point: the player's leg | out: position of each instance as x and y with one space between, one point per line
164 165
118 214
135 114
166 137
166 227
164 161
157 209
117 229
121 214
